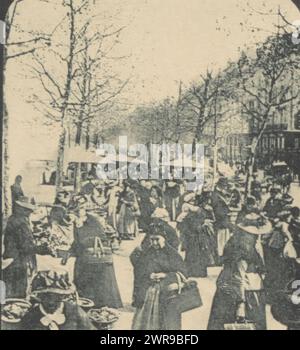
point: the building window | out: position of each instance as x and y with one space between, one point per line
297 143
278 142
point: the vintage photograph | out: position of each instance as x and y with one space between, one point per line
150 165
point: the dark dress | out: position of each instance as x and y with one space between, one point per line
16 194
171 198
19 245
222 224
272 207
144 219
95 280
230 286
128 211
256 190
199 243
279 269
76 319
148 261
294 229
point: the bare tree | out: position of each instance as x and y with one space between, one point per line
266 81
26 44
95 90
57 81
202 98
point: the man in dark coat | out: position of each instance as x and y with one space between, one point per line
16 191
221 211
274 204
143 195
19 246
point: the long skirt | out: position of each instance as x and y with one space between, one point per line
225 306
279 272
223 236
156 314
97 281
17 278
127 222
201 252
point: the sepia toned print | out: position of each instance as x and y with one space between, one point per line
150 165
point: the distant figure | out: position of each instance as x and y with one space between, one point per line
88 187
16 192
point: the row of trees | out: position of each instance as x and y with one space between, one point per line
254 87
78 83
72 66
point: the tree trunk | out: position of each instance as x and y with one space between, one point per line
4 6
60 159
215 163
78 133
67 92
5 174
87 139
77 184
252 158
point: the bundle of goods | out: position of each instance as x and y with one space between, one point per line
103 318
14 310
54 240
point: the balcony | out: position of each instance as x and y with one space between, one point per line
271 128
277 127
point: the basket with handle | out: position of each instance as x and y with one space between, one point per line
99 254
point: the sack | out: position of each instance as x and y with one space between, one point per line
289 251
147 318
187 296
240 327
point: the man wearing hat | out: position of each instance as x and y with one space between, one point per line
273 204
19 246
221 211
51 288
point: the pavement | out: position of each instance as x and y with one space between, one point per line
193 320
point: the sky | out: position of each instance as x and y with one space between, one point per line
166 41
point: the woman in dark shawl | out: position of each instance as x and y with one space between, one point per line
155 265
197 234
240 294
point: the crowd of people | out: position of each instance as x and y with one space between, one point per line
254 238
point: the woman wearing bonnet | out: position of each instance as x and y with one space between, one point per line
51 312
